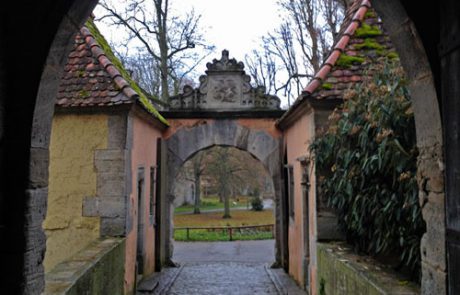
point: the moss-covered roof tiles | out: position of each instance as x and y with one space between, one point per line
361 42
95 77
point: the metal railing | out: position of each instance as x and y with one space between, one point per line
229 229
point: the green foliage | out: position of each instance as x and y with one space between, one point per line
367 160
221 235
257 204
368 31
345 61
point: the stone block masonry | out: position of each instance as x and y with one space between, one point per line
97 269
341 272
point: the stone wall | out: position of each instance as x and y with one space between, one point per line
97 270
431 165
341 272
72 178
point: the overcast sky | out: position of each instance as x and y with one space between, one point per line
236 25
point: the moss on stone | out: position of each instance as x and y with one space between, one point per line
346 61
144 100
83 93
80 73
392 55
368 31
326 86
370 14
369 43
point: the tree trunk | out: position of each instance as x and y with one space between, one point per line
163 45
226 204
196 210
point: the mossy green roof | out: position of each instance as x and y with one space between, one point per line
145 102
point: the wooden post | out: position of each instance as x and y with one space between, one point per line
188 233
230 232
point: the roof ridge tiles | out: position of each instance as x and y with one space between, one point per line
339 47
108 65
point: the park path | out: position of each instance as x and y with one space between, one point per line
221 268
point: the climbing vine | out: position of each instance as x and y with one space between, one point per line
367 160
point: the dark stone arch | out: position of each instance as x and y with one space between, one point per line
430 174
188 141
36 39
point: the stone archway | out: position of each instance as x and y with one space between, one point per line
23 193
186 142
430 174
34 48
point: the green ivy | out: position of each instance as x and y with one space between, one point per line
367 160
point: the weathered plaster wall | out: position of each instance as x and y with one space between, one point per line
143 154
72 177
297 139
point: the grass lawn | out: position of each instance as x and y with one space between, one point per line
239 218
212 202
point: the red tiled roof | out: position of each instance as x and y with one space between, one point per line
94 77
332 79
90 78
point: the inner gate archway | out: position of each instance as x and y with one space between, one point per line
224 111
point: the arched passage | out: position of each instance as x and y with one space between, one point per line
263 146
23 193
430 173
35 43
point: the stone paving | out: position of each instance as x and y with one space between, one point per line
221 268
223 278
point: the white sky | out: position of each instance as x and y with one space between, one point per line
235 25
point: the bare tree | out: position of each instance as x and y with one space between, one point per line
192 171
227 172
262 67
166 39
301 42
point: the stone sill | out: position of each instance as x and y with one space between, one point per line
340 271
66 275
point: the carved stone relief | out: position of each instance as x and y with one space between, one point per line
225 87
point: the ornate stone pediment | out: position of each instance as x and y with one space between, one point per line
225 87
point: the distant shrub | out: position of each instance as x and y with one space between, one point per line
257 204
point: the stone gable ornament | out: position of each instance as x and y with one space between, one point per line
225 87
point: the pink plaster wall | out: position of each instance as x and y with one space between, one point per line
297 139
143 154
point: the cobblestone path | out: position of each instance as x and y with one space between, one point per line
223 278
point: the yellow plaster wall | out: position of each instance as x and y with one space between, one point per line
72 176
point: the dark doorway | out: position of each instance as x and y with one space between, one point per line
140 221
